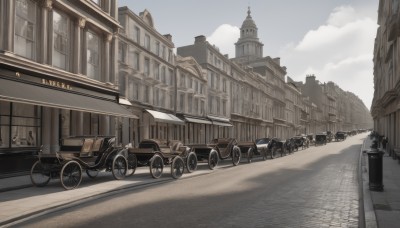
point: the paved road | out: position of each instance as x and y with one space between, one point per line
316 187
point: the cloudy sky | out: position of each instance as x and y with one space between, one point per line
332 39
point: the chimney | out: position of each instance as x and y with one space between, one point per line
199 39
168 36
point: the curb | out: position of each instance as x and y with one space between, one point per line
366 208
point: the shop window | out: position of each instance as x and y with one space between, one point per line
19 125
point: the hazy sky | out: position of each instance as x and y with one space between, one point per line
333 39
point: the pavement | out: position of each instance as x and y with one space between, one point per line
20 201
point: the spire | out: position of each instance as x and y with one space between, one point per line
248 12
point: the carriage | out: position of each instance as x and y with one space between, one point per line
218 149
340 135
158 153
276 145
250 149
300 141
320 139
89 153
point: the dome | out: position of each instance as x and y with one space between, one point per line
248 22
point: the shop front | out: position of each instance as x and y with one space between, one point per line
36 112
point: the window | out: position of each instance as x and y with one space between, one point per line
202 106
146 67
137 35
224 107
163 51
25 28
135 90
182 82
182 102
122 52
163 76
196 105
93 52
61 41
157 48
224 85
25 125
156 71
155 97
146 94
170 56
171 100
171 77
147 42
136 61
190 83
122 84
190 104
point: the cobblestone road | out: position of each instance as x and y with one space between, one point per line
316 187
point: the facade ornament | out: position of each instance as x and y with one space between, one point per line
48 4
109 37
82 22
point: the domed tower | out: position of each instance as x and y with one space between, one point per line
248 44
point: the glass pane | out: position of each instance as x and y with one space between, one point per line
60 40
23 110
92 55
4 136
20 121
4 108
24 136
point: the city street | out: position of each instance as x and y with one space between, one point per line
315 187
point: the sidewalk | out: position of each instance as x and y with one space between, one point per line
19 200
382 209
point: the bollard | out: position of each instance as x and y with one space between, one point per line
375 170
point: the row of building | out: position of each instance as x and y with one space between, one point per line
89 67
385 108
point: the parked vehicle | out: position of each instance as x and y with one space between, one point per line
157 153
311 139
89 153
329 136
289 145
217 149
250 149
300 141
320 139
340 135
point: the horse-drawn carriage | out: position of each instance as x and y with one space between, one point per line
340 136
251 150
300 141
89 153
320 139
157 153
217 149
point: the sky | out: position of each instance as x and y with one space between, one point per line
332 39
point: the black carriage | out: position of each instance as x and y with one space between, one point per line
289 145
340 136
157 153
311 139
320 139
89 153
250 149
329 136
300 141
262 145
216 150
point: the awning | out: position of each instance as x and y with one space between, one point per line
165 117
197 120
220 121
124 102
13 91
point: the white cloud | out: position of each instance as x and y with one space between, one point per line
341 51
223 37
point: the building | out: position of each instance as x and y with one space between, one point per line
57 75
147 79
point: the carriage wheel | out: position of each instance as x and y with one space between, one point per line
177 167
119 167
71 175
156 166
39 175
249 155
132 164
191 162
236 154
92 173
213 159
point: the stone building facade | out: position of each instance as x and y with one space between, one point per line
57 76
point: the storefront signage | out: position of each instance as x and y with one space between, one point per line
61 85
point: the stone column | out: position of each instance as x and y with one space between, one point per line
46 41
79 26
55 126
8 23
104 125
107 62
46 138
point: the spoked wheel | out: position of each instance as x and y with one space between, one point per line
236 154
92 173
191 162
250 154
119 167
177 167
71 175
156 166
132 164
213 159
39 175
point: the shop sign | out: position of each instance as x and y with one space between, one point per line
54 83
